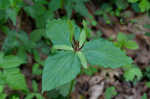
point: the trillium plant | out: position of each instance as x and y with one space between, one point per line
73 52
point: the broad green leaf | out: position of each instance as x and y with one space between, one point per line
11 61
82 38
82 59
64 89
103 53
58 31
131 45
63 47
15 79
59 70
133 74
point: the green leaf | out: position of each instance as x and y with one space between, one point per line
144 96
64 90
4 4
144 5
1 57
147 26
57 4
103 53
1 88
132 1
3 95
82 38
63 47
34 95
121 4
15 79
72 30
11 61
36 70
78 6
12 14
147 84
59 70
90 71
147 34
36 35
39 13
82 59
110 92
58 31
131 45
121 37
34 86
133 73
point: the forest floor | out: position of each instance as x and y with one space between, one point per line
94 87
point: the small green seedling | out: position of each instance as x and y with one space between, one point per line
110 92
132 73
74 53
35 92
123 42
10 73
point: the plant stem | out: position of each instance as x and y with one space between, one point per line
62 4
71 87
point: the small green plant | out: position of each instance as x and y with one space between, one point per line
72 52
132 73
35 92
10 74
142 4
123 42
110 92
